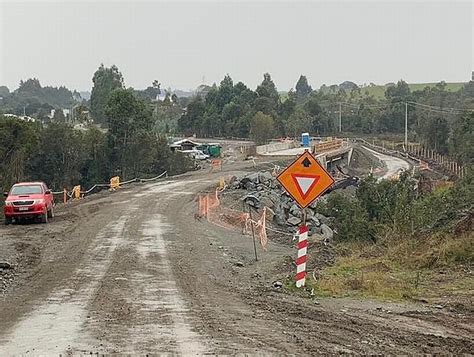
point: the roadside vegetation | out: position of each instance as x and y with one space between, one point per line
395 243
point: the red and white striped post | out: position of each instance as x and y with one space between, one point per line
301 260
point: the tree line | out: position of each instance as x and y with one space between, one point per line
34 100
63 156
235 110
131 125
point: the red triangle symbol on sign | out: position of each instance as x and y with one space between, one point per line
305 183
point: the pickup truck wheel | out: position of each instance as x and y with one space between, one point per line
44 218
51 212
8 220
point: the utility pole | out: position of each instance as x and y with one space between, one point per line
340 116
406 126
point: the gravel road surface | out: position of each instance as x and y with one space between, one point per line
393 164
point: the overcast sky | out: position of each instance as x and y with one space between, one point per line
183 44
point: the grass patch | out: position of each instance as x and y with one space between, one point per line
404 268
378 91
362 277
438 250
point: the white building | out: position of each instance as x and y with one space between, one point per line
20 117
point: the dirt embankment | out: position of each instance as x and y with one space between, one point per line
363 162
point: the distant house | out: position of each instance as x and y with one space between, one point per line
65 112
184 144
20 117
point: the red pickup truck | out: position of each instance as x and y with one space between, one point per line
28 200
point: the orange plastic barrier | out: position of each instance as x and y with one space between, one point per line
216 164
209 207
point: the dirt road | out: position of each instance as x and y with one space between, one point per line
135 272
393 164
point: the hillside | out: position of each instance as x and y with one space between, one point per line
378 91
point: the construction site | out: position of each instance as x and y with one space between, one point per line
204 263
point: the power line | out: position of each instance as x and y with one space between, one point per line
441 109
447 110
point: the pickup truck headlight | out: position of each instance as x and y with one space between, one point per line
37 202
8 203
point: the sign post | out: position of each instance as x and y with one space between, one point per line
301 259
304 180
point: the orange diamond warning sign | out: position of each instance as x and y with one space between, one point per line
305 179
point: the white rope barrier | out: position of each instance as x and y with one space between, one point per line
129 181
96 185
71 193
155 178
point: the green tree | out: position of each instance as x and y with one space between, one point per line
299 122
105 81
462 143
435 133
60 156
287 108
18 141
351 219
166 117
262 128
268 99
224 92
58 116
399 92
127 117
192 120
303 89
4 91
96 167
153 91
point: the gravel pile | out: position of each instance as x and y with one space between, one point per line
264 190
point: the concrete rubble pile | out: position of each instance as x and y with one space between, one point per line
265 191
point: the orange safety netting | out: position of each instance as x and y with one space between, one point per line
209 206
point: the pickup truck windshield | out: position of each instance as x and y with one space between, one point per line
26 190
